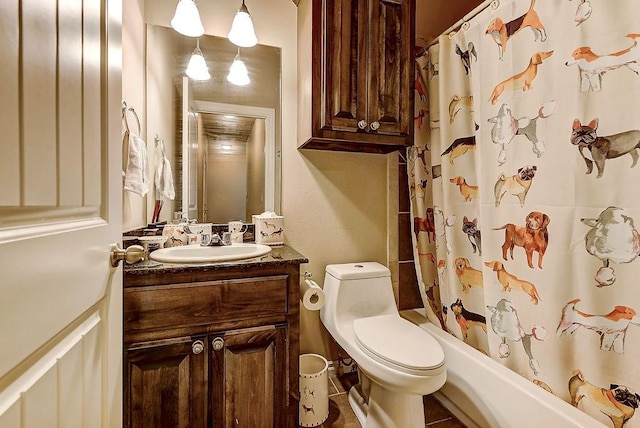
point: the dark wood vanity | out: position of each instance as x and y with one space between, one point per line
213 344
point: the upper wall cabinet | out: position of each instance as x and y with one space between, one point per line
355 74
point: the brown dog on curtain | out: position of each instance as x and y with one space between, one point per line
521 80
533 236
501 31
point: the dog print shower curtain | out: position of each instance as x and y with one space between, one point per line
525 194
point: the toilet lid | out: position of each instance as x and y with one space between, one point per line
390 339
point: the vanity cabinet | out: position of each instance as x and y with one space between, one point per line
356 74
248 374
166 383
212 345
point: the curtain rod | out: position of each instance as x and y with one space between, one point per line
494 4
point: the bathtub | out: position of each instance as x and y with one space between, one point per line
481 393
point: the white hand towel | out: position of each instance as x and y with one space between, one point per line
163 176
136 176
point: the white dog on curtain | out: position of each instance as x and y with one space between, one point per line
506 127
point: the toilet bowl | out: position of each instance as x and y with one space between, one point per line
398 362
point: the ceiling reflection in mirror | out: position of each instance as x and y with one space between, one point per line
235 175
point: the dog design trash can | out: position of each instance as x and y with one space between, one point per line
314 394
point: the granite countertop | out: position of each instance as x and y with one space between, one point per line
280 255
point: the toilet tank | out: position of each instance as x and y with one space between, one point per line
359 290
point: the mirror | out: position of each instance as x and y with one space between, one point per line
225 138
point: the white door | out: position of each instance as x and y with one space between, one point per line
60 210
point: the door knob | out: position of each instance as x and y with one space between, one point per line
362 124
375 125
197 347
133 254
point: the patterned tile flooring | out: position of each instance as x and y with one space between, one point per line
341 415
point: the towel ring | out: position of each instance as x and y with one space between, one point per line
126 108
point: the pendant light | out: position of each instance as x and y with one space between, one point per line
242 32
197 68
187 19
238 74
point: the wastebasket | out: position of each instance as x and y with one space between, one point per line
314 394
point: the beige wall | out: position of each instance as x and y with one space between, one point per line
134 211
160 93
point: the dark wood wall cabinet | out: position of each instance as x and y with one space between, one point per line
355 74
212 346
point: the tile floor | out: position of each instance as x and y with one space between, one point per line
341 415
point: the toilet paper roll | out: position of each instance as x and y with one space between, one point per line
311 295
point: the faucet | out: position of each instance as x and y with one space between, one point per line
215 239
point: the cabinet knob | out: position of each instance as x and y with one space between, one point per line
375 125
218 343
362 124
197 347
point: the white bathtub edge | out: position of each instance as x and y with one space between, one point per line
484 394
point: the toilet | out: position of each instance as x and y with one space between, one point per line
398 362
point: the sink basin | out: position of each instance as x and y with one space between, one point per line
197 254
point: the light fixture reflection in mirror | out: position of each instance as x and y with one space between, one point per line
167 57
238 74
197 68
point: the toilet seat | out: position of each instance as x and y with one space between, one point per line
394 341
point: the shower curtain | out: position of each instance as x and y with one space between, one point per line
525 199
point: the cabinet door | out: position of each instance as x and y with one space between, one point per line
344 64
166 384
391 66
248 378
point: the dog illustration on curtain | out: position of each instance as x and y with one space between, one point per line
619 402
506 324
425 224
506 127
442 224
533 237
511 282
592 66
466 56
522 80
611 327
467 319
612 238
458 104
501 31
467 275
603 148
516 184
459 147
467 191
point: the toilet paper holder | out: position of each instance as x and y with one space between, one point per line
311 294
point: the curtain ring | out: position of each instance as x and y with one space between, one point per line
451 34
495 4
465 25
